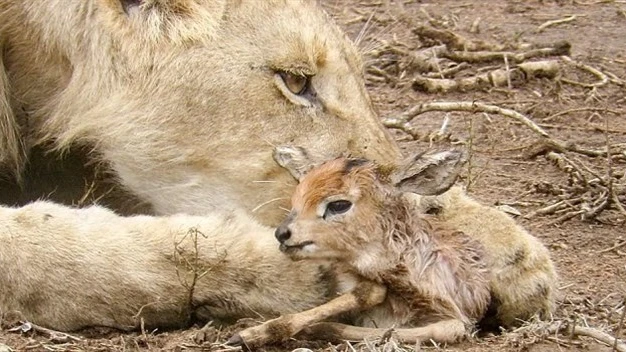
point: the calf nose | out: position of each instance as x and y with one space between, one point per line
282 233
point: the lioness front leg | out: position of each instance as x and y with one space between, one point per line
365 295
67 269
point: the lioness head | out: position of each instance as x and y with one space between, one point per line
186 99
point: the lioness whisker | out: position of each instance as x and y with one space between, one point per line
376 40
364 30
266 203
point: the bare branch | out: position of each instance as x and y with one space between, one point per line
453 40
473 107
589 332
495 78
556 49
555 22
602 78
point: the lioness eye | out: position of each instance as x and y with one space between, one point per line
337 207
297 84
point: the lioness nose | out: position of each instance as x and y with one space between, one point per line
282 233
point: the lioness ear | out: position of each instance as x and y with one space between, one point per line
130 6
177 20
169 7
429 174
295 159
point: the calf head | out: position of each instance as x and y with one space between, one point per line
343 206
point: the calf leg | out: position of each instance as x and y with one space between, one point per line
367 294
446 331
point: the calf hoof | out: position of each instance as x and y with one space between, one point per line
235 340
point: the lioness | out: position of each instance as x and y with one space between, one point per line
169 92
183 101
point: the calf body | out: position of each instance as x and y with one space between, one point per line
523 277
354 215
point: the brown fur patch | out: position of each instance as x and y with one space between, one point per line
428 308
365 295
351 164
518 257
318 184
331 178
179 8
327 277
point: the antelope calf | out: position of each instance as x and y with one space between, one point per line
523 281
395 266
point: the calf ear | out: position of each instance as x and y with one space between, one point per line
295 159
429 174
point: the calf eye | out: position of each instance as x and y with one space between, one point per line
337 207
297 84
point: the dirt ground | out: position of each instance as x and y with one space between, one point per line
581 104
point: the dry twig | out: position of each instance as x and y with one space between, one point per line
586 108
53 335
453 40
557 49
556 22
602 78
190 268
589 332
495 78
614 247
548 142
473 107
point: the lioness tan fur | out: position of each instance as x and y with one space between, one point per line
525 281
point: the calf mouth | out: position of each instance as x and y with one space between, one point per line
290 249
